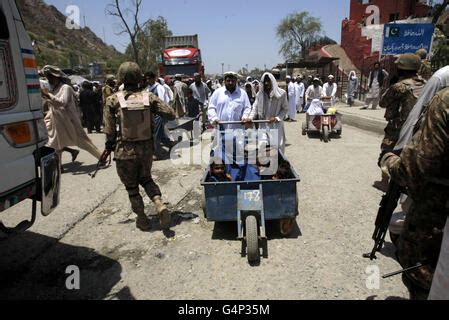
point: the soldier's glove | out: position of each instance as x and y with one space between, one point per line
384 163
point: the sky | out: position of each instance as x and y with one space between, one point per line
234 32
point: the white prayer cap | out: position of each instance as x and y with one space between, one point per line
288 77
231 74
330 77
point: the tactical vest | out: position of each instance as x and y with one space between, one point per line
414 90
135 117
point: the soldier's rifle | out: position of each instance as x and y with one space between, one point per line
105 158
388 205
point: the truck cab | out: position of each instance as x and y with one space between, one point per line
181 56
28 169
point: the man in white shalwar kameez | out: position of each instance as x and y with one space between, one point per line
300 90
63 120
291 100
228 103
330 89
376 81
271 104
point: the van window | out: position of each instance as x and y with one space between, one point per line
8 88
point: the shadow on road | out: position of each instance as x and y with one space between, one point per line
389 250
78 168
178 218
33 267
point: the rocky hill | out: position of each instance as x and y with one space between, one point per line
58 45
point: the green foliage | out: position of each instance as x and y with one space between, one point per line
150 41
297 32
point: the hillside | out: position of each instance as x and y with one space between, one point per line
61 46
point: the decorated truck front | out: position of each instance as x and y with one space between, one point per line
181 56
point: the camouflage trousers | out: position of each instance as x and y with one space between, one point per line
420 242
135 173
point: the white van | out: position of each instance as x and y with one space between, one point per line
28 170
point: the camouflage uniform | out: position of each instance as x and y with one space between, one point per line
134 159
422 169
107 92
399 100
425 71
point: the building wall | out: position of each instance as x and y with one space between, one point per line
358 47
405 8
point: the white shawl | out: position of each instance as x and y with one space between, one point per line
439 81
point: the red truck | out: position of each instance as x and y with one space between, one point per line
181 56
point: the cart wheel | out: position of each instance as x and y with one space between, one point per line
326 134
339 132
304 129
252 239
287 226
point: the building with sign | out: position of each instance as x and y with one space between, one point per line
362 32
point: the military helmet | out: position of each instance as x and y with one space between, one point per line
408 61
422 53
129 73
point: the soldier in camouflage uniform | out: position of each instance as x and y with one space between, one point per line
108 89
425 71
422 169
398 101
132 110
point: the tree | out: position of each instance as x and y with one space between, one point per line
150 42
132 28
297 32
323 41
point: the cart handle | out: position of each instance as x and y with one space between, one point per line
242 123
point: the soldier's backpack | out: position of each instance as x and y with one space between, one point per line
135 117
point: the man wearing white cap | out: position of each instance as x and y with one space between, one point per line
300 90
330 89
314 91
229 103
291 100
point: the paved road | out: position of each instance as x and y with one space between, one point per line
94 229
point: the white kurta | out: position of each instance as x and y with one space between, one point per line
300 89
274 106
330 90
226 106
313 93
63 122
292 101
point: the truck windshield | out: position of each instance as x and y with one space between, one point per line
188 70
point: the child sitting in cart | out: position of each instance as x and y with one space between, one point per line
218 172
284 171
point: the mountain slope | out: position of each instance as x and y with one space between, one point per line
58 45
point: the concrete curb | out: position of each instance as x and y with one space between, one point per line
368 124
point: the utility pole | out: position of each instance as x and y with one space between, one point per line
84 18
222 69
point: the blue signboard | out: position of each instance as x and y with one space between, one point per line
402 38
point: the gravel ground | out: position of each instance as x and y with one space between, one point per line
200 259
